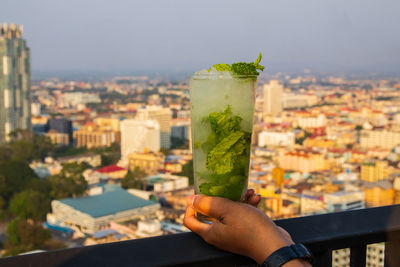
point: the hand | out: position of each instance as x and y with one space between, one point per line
252 198
239 227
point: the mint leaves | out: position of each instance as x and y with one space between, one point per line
223 157
228 150
221 67
224 123
226 186
241 68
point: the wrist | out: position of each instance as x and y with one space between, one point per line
269 245
297 263
296 255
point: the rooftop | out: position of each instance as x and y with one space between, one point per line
104 233
110 202
111 168
320 233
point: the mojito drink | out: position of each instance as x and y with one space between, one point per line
222 108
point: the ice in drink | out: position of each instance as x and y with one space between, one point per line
222 107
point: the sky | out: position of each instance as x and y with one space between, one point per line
182 35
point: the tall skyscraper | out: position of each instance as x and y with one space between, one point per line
273 98
139 136
61 125
163 116
15 106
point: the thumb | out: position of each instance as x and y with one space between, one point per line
215 207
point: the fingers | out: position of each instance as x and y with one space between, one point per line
254 200
191 222
209 232
214 207
249 193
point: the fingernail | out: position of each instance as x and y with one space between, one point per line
193 199
189 201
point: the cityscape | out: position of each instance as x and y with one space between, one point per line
86 161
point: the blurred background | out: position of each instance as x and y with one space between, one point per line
95 108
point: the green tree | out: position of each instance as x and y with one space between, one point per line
27 146
187 170
30 204
5 152
109 155
23 236
64 151
12 232
15 176
23 150
358 129
42 186
133 179
69 182
74 169
32 234
165 151
300 140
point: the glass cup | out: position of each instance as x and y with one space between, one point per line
222 109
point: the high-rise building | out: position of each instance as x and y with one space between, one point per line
273 138
307 120
368 115
139 136
100 133
151 163
278 176
380 193
375 170
15 100
163 116
61 139
343 200
273 98
290 100
303 161
378 138
180 129
36 109
61 125
93 135
108 123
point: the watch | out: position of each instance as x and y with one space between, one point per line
285 254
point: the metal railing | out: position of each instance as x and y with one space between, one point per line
320 233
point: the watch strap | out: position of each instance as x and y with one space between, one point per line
285 254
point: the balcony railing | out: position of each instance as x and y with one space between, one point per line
320 233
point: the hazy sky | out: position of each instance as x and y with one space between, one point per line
178 35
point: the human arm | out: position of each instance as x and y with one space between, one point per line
239 228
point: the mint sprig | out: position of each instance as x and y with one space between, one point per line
221 67
257 63
227 148
241 68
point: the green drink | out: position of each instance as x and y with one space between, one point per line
222 109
